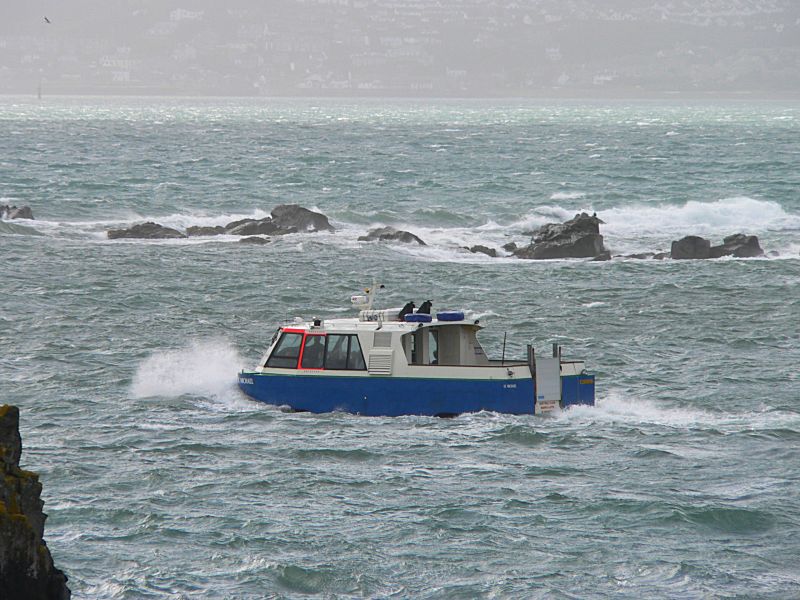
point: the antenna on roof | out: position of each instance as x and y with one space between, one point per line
372 291
365 302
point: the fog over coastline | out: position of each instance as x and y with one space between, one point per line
464 48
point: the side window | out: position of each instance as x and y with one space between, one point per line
287 351
336 351
313 352
355 358
433 348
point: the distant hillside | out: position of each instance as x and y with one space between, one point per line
396 47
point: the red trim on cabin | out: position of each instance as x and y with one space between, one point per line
292 330
306 335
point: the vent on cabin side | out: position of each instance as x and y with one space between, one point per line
380 361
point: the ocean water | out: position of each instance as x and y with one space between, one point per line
162 481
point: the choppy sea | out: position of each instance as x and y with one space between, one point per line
162 481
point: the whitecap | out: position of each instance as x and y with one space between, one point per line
205 367
569 195
619 407
724 216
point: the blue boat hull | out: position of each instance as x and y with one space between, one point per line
395 396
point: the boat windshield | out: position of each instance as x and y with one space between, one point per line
286 351
317 351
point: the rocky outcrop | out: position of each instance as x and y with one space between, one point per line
294 216
480 249
738 245
510 247
254 240
690 247
646 256
602 257
390 234
14 212
27 571
146 231
197 230
577 238
693 247
264 226
286 218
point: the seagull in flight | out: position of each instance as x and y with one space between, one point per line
46 20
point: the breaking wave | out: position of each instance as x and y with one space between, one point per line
7 228
626 228
205 368
725 216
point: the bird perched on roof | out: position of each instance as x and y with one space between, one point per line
407 310
425 309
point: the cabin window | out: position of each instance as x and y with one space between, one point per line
355 358
313 352
336 352
286 352
422 346
433 347
344 352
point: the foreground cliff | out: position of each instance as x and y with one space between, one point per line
26 567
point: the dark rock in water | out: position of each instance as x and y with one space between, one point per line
479 249
264 226
579 224
773 254
147 231
293 216
27 571
690 247
603 256
235 224
390 234
738 245
286 218
510 247
647 256
14 212
255 240
577 238
196 230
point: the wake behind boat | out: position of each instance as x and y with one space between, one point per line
407 362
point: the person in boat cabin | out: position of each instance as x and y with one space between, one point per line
312 353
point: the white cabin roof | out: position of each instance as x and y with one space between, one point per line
355 324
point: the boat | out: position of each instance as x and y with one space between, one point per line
394 362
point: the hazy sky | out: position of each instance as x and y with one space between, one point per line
398 47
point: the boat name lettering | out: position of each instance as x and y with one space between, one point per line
510 386
246 380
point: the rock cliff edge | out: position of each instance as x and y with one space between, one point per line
26 567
